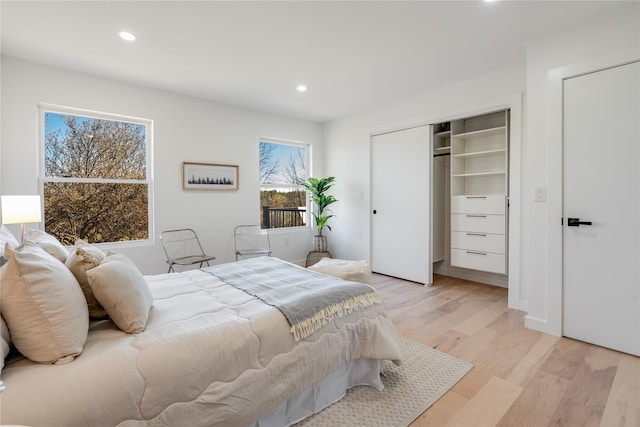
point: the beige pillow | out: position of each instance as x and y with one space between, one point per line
43 306
355 271
83 257
123 291
48 243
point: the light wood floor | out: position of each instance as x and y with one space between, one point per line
520 377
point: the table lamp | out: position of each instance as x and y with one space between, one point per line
21 210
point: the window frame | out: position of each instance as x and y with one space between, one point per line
307 158
149 181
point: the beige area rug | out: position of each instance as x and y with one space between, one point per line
409 389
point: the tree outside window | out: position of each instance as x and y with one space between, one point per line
283 199
96 178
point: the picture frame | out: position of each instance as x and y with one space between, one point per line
209 176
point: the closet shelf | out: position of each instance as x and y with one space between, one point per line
479 153
465 175
482 132
442 150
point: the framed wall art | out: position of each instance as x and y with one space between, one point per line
209 176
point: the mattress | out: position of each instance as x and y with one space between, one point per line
211 355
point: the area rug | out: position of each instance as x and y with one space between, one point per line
409 389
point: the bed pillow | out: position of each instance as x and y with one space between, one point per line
355 271
6 238
123 291
49 243
83 257
43 306
5 341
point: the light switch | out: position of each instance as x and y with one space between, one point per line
540 193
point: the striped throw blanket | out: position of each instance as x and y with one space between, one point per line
308 300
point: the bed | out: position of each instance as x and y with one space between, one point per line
212 353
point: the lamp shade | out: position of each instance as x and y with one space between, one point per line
21 209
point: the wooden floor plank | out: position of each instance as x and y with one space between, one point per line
482 318
526 369
487 406
537 403
584 401
623 408
441 411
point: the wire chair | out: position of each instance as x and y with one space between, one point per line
182 247
251 241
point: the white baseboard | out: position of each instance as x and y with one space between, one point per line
539 325
500 280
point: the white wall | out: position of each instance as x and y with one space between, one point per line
185 129
590 42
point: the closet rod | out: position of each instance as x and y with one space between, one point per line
441 154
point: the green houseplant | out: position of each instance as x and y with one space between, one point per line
318 188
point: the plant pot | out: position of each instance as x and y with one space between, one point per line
320 244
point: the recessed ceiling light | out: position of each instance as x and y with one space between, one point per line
126 35
301 88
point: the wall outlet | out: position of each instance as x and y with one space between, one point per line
540 193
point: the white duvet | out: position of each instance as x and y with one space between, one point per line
210 355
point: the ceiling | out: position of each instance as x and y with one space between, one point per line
352 55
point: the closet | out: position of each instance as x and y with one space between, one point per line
470 195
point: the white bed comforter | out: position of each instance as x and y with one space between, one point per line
210 355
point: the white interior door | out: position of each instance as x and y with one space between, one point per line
602 187
400 216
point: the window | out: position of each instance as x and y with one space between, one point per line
96 176
283 199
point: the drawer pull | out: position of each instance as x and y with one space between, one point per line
476 197
476 216
476 253
477 234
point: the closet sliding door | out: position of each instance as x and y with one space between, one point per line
400 204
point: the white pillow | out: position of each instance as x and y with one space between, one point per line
83 257
123 291
5 342
43 306
6 238
355 271
48 243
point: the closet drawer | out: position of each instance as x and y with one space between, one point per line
481 223
478 260
494 205
478 241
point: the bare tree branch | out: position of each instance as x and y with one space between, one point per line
268 163
96 212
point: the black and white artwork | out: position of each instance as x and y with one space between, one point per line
208 176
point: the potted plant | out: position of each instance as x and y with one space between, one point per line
318 188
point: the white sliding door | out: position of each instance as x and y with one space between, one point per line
400 211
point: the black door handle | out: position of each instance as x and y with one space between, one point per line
575 222
375 211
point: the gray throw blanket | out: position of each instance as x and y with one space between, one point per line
308 300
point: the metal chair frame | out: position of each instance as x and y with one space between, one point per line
246 231
189 259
